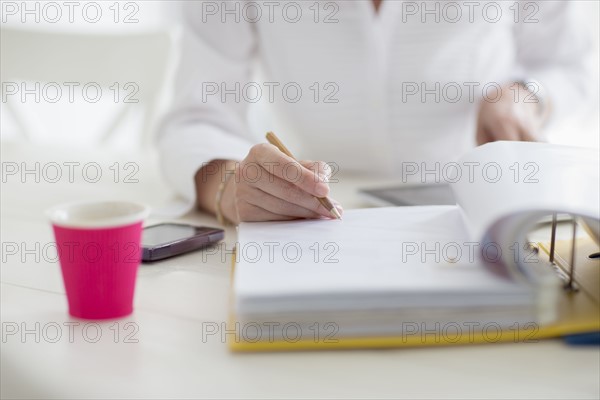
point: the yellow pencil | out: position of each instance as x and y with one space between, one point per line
274 140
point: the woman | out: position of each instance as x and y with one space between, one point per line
367 85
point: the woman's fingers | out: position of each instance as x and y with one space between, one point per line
252 213
269 186
500 129
321 169
508 119
280 206
291 194
271 159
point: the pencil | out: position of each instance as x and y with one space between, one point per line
274 140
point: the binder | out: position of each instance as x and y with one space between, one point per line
491 211
578 320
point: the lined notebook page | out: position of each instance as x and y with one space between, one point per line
370 251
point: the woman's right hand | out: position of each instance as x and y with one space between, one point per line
269 186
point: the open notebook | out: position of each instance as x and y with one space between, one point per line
417 274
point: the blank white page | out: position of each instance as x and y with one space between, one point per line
515 177
368 252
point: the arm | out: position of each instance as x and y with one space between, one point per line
206 134
200 127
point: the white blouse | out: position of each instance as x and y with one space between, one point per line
368 91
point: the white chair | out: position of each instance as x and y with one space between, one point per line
41 56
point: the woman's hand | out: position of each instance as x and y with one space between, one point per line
270 186
517 115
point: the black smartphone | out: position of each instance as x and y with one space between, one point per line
167 240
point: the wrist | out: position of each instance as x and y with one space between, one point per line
227 206
209 180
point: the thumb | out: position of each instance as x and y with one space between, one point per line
321 169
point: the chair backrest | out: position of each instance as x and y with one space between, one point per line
137 63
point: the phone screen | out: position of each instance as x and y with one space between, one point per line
167 233
415 195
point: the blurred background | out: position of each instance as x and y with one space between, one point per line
84 74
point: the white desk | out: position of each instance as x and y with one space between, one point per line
174 298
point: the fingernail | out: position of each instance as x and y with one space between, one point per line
323 178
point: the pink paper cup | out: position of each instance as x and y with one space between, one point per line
99 251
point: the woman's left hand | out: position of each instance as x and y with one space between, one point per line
517 115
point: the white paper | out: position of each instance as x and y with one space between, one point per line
534 177
366 260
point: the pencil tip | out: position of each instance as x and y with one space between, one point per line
334 211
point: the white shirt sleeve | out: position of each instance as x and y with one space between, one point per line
553 48
202 126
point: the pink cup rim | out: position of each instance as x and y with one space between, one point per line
97 214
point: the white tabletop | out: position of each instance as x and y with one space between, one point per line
161 352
